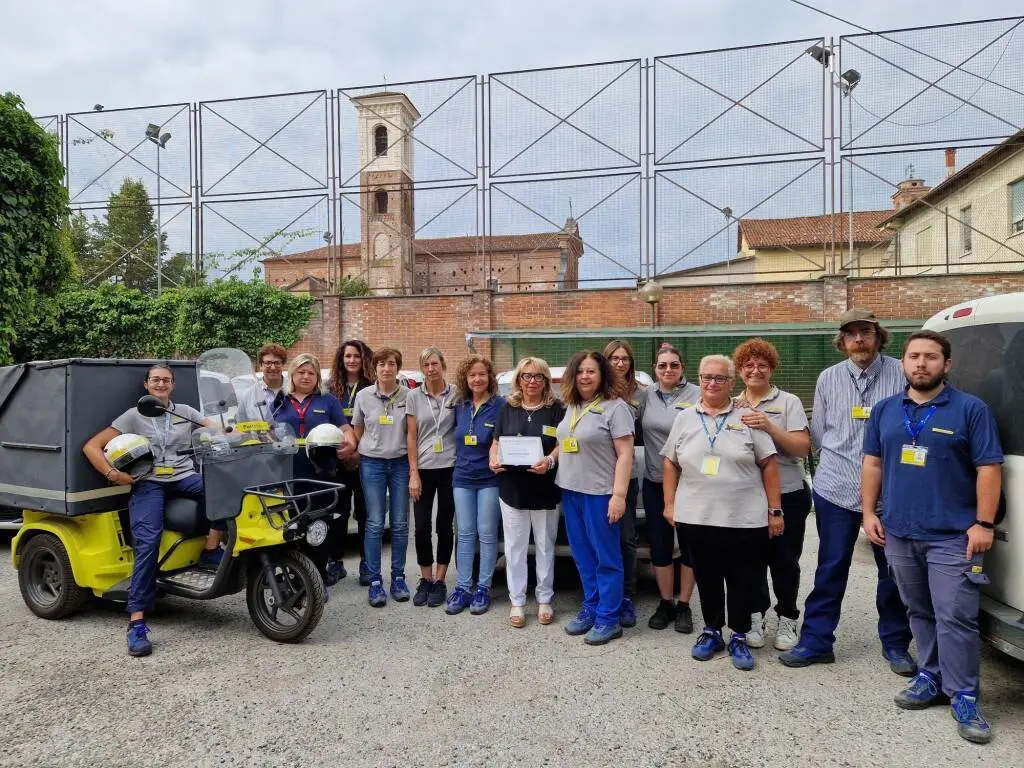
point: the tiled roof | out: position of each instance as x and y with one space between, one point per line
439 245
811 231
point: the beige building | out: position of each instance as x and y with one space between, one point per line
796 248
390 257
973 221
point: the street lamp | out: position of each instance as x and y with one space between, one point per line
153 134
727 212
651 292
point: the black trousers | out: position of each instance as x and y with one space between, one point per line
435 482
728 564
350 501
783 557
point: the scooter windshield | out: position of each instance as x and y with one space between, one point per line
225 381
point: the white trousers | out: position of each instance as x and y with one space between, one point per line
517 524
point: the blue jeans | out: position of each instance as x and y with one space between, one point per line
942 597
838 529
477 516
595 545
381 478
146 513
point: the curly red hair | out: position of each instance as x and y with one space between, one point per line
755 347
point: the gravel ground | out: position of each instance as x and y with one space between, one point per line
407 686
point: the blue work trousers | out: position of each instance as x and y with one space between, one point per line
383 478
595 545
477 517
838 529
941 590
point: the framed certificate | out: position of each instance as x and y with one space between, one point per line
520 451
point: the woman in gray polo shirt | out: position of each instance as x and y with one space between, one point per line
662 403
722 485
595 440
781 416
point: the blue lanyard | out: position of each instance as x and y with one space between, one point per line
719 423
914 430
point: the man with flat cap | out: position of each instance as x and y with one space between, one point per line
843 399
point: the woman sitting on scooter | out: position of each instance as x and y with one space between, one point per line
303 405
172 475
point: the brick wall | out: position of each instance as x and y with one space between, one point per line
414 322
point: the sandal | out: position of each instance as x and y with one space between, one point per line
545 613
517 617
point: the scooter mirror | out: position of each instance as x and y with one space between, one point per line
149 405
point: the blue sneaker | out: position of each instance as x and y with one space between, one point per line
970 723
211 558
709 642
365 577
900 661
603 633
399 589
627 613
377 596
583 623
458 601
924 691
802 656
138 642
741 657
334 572
481 602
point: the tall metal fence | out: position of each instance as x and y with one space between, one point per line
884 153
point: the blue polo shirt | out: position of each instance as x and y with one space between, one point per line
321 409
472 462
938 500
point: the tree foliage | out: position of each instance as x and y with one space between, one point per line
120 322
34 254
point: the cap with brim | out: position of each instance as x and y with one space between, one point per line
856 315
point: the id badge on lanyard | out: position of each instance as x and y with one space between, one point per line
162 468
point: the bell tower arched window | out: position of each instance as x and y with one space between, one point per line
380 140
380 201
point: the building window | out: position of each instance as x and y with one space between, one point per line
965 229
380 141
1017 206
380 201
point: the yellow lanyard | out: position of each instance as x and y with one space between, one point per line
577 414
351 399
390 400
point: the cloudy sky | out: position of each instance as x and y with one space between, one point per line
64 57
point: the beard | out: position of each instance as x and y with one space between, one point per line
926 385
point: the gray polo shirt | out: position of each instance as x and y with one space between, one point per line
381 441
435 420
734 497
658 411
257 404
592 468
785 411
635 403
166 433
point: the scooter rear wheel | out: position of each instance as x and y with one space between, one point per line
303 593
47 580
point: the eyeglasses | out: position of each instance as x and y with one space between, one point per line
528 377
707 378
160 380
666 366
271 363
763 367
864 333
620 359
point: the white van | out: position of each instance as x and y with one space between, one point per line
987 336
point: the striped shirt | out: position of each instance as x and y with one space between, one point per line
837 435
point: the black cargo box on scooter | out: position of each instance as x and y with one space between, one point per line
49 409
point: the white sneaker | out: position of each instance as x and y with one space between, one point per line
786 636
755 637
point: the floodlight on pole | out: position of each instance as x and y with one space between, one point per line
849 80
160 140
820 54
727 212
97 107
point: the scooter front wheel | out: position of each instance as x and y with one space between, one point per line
47 580
302 597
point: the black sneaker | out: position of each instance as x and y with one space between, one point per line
684 618
438 594
663 615
422 592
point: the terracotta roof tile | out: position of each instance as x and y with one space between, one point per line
810 231
439 245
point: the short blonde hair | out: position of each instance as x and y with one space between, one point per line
730 366
547 396
299 361
426 354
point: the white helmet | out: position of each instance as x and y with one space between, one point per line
321 444
131 454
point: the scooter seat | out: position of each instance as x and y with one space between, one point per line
185 516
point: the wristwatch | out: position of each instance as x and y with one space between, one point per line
774 512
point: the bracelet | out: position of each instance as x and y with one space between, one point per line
107 474
551 462
984 524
